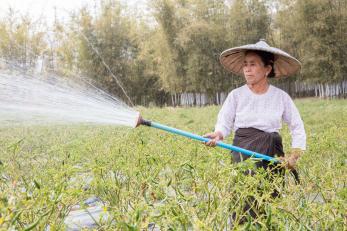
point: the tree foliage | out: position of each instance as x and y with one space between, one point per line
315 31
21 40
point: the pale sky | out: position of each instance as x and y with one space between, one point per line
45 8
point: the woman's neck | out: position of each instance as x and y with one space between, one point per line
260 87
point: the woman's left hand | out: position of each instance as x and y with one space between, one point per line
292 158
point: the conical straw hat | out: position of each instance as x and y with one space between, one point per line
284 64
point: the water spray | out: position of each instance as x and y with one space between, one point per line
141 121
53 100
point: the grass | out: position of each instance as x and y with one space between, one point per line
145 175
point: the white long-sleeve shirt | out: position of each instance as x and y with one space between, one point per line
244 109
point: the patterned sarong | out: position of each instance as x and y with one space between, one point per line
262 142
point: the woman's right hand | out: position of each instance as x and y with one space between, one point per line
215 137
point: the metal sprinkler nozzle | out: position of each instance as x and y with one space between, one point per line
141 121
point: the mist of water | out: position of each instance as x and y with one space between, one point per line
38 100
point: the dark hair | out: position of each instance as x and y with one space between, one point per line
267 58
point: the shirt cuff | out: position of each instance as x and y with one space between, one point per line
300 145
224 132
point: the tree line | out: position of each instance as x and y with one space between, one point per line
174 48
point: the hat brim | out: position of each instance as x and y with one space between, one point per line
284 64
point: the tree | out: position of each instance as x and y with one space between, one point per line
314 31
249 21
172 57
22 40
203 40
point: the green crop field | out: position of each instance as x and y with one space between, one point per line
146 176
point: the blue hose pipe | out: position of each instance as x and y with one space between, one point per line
203 139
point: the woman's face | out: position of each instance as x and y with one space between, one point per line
254 69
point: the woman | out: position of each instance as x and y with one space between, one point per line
255 110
